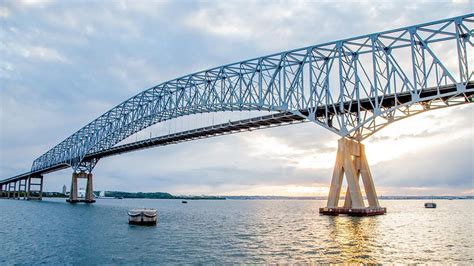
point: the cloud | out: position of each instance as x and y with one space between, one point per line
33 3
441 164
4 12
301 23
38 52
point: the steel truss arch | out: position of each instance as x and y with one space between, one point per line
352 87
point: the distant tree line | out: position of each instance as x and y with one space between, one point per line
54 195
139 195
154 195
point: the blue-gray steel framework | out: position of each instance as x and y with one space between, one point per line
332 79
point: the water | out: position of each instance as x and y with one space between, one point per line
233 231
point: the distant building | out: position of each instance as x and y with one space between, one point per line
64 189
81 193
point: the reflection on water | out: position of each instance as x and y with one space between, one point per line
233 231
351 237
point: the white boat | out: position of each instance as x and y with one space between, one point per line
142 216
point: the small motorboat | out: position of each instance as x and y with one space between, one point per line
142 216
184 202
430 205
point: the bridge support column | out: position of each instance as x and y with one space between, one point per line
73 195
4 190
22 188
89 189
73 192
35 188
11 189
352 161
17 190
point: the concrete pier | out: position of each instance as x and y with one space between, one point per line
35 188
12 190
352 161
23 188
73 196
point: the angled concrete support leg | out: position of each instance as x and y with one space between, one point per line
352 161
336 182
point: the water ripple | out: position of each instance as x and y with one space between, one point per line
231 231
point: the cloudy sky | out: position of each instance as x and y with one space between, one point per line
64 63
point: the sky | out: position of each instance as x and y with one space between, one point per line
64 63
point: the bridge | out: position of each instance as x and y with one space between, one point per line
352 87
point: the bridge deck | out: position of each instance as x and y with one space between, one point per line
268 121
205 132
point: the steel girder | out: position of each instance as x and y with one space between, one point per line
323 83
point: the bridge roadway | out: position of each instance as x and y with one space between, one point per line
274 120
